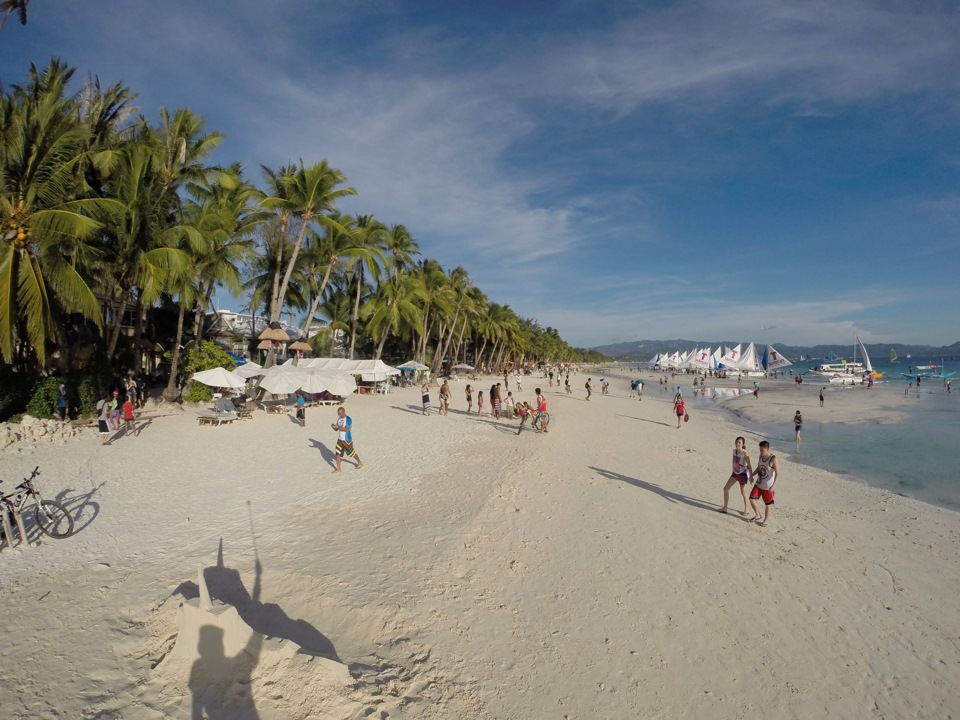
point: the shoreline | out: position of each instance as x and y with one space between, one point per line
479 574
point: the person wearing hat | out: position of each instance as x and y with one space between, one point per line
62 401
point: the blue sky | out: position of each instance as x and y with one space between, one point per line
768 171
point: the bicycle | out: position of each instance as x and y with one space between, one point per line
52 518
543 418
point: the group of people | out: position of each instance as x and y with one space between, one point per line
500 407
763 477
109 411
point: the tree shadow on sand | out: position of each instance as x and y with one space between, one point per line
654 488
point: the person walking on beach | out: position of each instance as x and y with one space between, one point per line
129 420
519 382
506 383
343 427
821 396
480 403
469 394
589 388
566 384
797 424
740 474
425 397
62 402
756 389
103 419
679 408
495 400
765 477
444 397
301 406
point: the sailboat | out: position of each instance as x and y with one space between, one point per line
843 371
893 356
930 372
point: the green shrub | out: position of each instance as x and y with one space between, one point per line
43 402
206 357
85 391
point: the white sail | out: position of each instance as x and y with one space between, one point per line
701 358
773 359
732 358
866 358
715 358
750 361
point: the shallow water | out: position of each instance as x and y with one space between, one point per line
917 458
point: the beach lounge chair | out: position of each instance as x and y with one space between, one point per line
222 412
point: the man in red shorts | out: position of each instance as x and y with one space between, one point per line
765 476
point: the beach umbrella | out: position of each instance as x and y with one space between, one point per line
220 378
301 346
274 333
462 366
413 365
342 384
282 383
249 369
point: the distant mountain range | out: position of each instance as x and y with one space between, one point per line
642 350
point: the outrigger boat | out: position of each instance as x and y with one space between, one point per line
931 372
852 372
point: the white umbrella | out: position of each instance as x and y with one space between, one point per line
342 384
251 369
282 383
219 378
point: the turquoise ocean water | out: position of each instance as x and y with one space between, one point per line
919 458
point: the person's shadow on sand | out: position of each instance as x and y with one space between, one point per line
220 685
326 453
662 492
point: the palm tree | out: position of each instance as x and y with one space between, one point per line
8 7
44 241
394 303
335 311
400 248
366 257
305 193
327 251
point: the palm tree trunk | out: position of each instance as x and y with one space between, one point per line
316 301
120 304
138 313
170 394
379 352
281 291
356 310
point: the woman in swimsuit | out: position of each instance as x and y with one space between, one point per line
742 470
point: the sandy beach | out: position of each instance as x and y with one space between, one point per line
468 572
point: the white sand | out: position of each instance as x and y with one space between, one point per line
467 572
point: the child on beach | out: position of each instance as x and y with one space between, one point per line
566 384
469 393
766 475
797 424
129 421
480 403
589 387
741 473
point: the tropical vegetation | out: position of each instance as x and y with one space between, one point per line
108 218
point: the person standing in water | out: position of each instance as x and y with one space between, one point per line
797 424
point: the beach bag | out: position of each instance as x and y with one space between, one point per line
686 417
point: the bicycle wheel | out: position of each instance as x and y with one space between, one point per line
54 520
